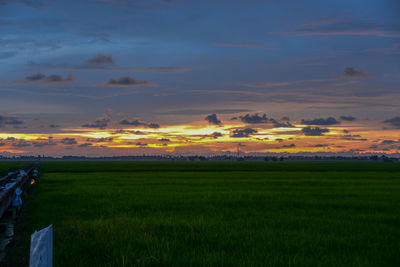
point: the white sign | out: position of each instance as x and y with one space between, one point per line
42 248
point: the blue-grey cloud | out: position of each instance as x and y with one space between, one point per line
353 137
215 135
321 145
213 119
394 122
321 121
5 120
255 118
237 133
350 72
137 122
309 131
126 81
348 118
44 142
289 146
85 145
101 122
278 124
100 60
390 142
21 143
141 144
100 140
69 141
51 79
35 77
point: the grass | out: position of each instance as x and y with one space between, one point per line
215 213
8 166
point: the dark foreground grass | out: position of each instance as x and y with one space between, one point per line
8 166
207 213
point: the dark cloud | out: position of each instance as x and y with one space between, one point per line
54 126
349 72
68 141
52 79
321 145
5 120
255 118
100 140
35 77
100 59
243 132
394 122
141 144
348 118
212 118
289 146
101 122
126 81
153 125
137 122
164 140
215 135
321 121
309 131
278 124
44 142
353 137
133 122
21 143
390 142
85 145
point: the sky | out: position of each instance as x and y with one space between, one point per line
133 77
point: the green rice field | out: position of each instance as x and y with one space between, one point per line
124 213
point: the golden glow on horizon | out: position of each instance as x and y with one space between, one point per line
170 137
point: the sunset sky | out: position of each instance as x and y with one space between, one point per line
128 77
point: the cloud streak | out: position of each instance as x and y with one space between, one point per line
245 45
100 60
345 27
126 81
349 72
51 79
